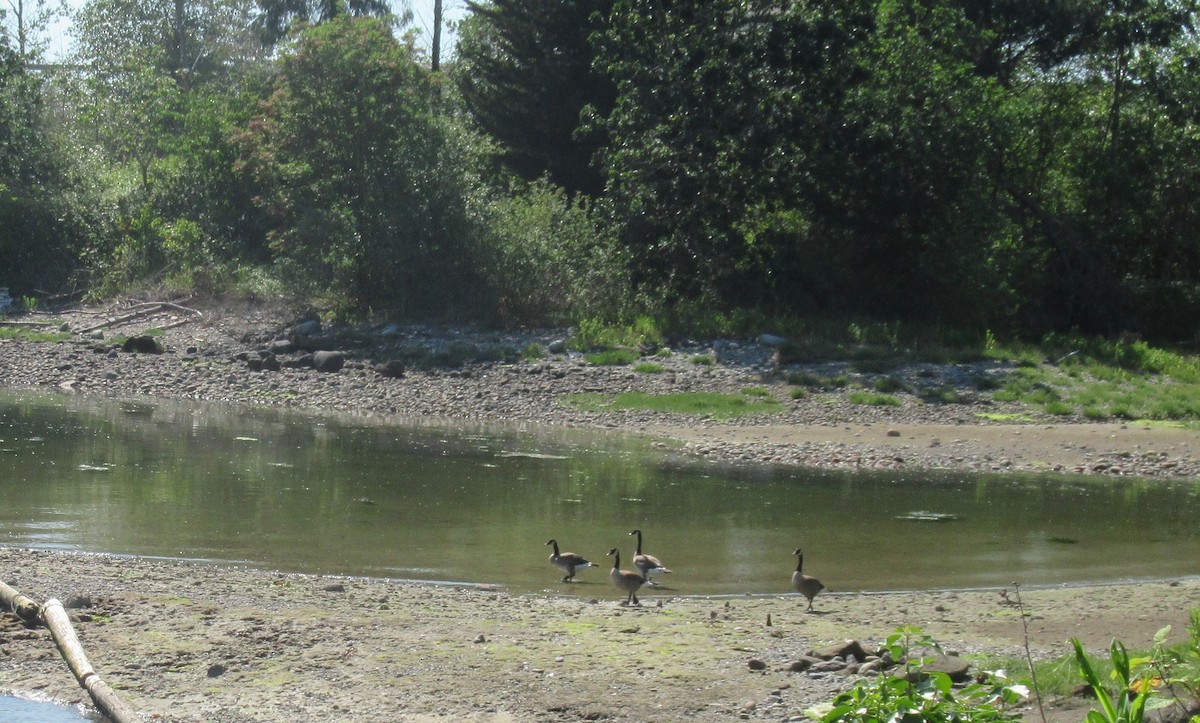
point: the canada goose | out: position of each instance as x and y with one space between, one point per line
646 564
568 561
625 580
806 585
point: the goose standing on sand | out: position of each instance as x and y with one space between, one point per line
646 564
568 562
625 580
806 585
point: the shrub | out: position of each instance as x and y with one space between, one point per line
912 696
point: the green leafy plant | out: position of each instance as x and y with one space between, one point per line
913 695
533 352
1124 706
649 368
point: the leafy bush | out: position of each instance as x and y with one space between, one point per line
547 260
915 696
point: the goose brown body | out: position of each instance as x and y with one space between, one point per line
806 585
626 581
646 564
568 562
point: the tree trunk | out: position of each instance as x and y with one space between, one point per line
436 52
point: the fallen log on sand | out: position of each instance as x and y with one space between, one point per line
25 607
56 620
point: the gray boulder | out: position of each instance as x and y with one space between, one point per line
328 361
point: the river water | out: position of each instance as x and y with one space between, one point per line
462 503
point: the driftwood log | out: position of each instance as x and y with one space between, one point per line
56 620
155 307
25 607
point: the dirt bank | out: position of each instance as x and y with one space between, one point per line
185 642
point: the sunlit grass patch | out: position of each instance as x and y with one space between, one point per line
612 358
874 399
721 406
649 368
38 334
1099 392
1005 417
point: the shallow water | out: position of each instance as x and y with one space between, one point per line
476 504
22 710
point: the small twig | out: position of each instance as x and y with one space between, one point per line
1037 691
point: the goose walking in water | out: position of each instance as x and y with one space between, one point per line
646 564
626 581
568 562
806 585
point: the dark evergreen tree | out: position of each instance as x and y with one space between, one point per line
527 75
278 16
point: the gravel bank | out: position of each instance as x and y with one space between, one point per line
206 358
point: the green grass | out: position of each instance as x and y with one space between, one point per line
649 368
703 360
813 380
1100 391
873 399
719 406
599 335
612 358
28 334
533 352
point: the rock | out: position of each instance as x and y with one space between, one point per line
393 369
558 346
304 361
803 664
955 667
282 346
334 587
306 328
142 344
843 650
771 340
271 364
1181 712
756 664
328 361
216 670
76 602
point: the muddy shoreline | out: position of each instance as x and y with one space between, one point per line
187 642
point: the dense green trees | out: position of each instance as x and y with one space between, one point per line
526 74
39 239
1014 165
350 158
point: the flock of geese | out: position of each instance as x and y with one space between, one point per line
630 581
